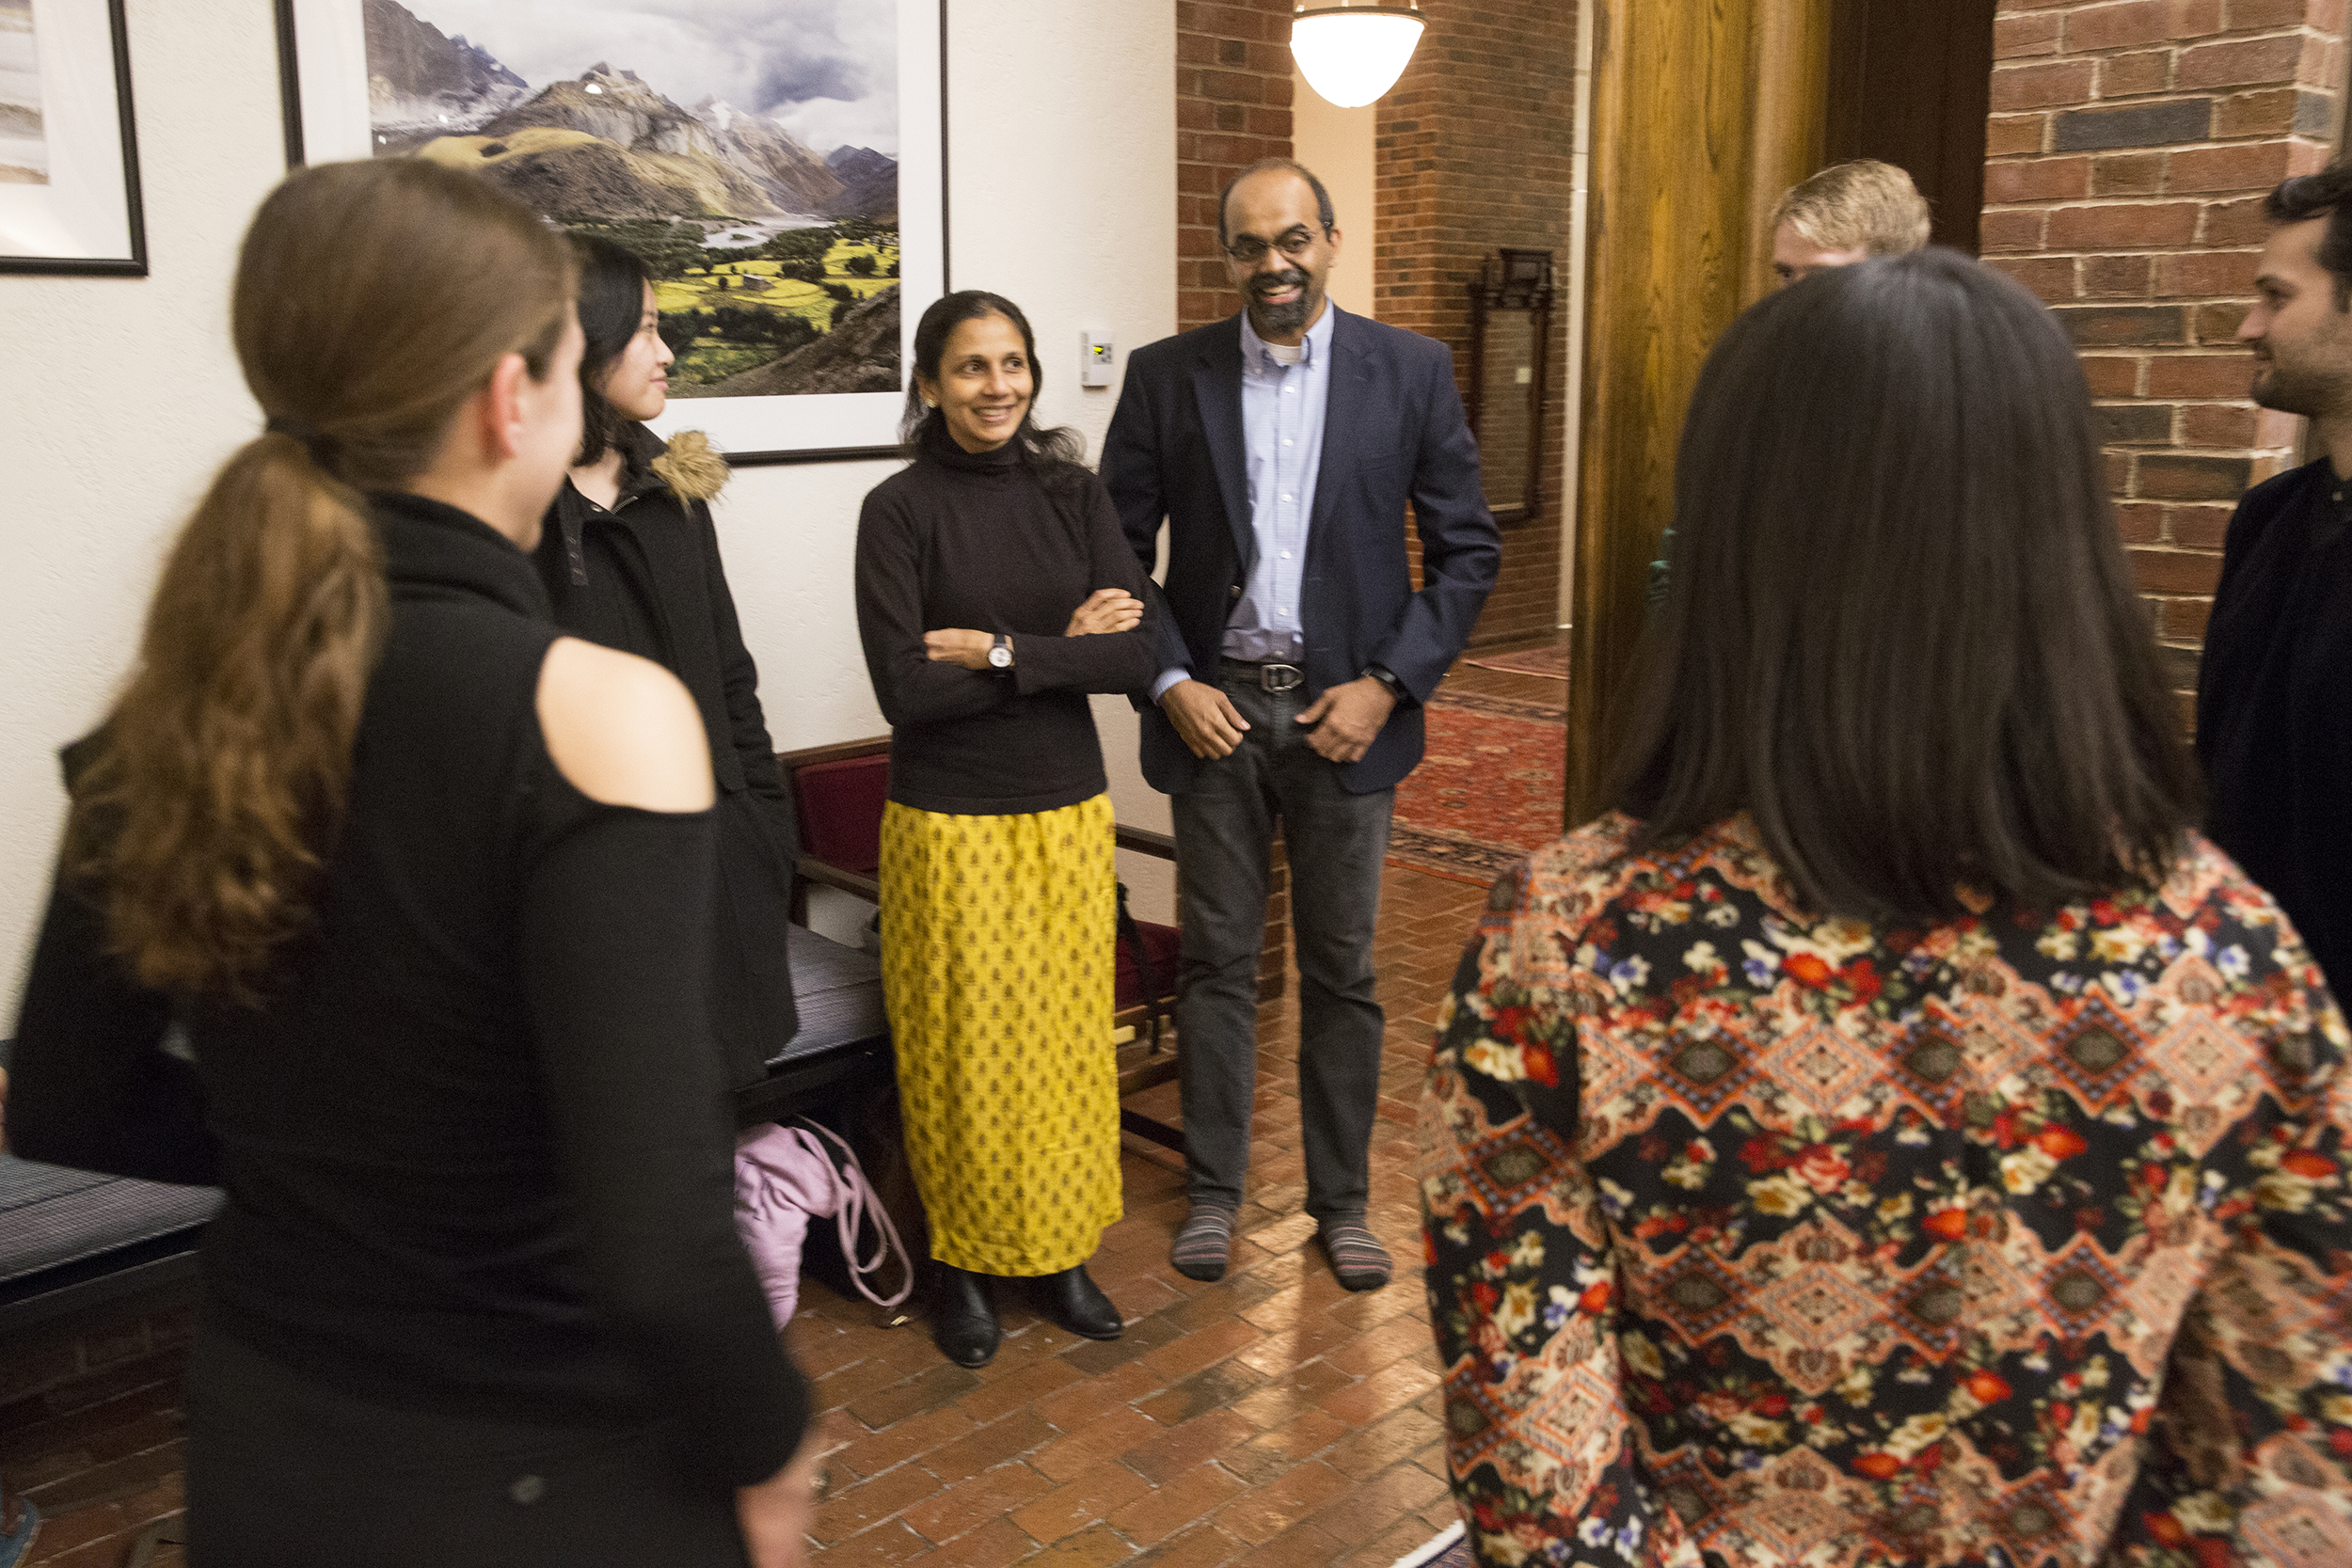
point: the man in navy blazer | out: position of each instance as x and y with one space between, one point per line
1282 445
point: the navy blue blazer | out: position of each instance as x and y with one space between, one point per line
1395 433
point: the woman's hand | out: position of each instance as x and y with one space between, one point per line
1107 611
956 645
776 1514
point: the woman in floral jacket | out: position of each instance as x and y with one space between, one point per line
1894 1137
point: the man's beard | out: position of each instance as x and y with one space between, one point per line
1281 319
2280 387
2313 378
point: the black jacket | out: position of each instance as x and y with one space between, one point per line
2274 706
1395 433
645 577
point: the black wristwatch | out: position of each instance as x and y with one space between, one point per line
1000 653
1387 677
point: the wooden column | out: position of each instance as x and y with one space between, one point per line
1703 112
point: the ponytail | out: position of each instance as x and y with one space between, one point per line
211 804
372 300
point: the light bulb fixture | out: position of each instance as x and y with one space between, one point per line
1352 52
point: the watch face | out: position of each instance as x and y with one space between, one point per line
1000 657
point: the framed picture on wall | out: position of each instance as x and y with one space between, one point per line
780 166
69 156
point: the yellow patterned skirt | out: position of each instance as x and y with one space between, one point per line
998 937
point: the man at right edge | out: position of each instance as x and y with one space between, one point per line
2274 698
1281 446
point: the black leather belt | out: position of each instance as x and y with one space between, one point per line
1270 677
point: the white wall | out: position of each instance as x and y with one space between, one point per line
1338 144
124 394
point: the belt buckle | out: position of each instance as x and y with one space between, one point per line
1280 677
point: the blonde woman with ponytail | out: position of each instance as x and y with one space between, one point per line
414 878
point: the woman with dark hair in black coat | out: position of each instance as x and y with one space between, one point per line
630 560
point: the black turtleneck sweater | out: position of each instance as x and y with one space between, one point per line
477 1144
977 541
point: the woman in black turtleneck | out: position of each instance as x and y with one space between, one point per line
630 560
995 590
423 888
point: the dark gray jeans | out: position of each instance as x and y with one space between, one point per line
1335 842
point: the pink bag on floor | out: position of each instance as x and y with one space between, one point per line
783 1176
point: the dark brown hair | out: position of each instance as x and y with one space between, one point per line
371 300
1324 213
1055 454
2329 194
612 281
1900 632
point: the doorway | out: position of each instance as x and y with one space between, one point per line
1910 84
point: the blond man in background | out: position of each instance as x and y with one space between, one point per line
1846 213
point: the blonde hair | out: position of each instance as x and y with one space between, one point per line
1864 205
371 300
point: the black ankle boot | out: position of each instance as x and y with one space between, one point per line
1075 1301
964 1323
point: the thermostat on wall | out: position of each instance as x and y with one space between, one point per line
1094 359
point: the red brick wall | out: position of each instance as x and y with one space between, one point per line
1233 108
1474 153
2130 145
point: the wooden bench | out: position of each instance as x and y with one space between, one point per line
839 791
70 1241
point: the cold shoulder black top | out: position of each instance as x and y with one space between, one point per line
476 1144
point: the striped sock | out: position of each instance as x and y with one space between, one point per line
1199 1250
1360 1262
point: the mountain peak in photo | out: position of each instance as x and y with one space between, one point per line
793 176
859 162
606 142
869 182
419 78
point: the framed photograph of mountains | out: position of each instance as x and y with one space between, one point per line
778 163
69 158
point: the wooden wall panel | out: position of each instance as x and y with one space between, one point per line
1703 112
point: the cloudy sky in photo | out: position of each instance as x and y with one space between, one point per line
827 70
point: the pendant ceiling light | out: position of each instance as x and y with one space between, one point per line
1353 52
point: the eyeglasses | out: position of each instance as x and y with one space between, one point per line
1249 250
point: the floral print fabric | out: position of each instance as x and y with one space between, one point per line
1758 1240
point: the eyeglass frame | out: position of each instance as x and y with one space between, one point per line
1301 233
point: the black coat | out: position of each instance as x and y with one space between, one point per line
645 577
2274 706
1395 433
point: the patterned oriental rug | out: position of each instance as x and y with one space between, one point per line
1487 792
1551 662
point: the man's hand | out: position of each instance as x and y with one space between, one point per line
775 1515
1205 717
1107 611
1347 719
956 645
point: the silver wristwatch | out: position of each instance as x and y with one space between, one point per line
1000 653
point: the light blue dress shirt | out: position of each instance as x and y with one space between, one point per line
1282 408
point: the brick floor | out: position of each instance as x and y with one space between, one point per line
1270 1418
